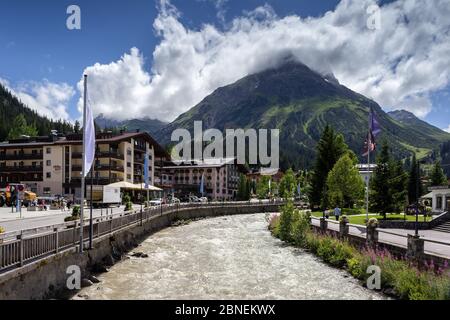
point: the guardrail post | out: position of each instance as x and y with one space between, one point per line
20 237
343 228
416 248
323 224
372 235
111 225
55 230
142 217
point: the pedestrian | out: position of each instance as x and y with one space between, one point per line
337 212
326 213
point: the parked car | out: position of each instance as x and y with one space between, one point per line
203 199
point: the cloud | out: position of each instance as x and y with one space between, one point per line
448 129
46 98
398 65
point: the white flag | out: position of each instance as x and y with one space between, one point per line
89 134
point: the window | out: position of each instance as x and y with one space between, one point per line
48 150
128 164
48 175
48 163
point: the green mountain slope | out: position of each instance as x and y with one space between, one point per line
152 126
300 102
11 107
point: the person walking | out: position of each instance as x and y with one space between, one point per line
337 212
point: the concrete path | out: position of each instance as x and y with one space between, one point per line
399 237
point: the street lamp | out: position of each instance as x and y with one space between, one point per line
417 197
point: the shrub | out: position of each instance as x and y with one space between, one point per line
2 230
285 221
300 227
355 268
128 206
76 211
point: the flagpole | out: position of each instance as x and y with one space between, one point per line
83 173
91 225
369 143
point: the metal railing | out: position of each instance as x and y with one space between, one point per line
19 248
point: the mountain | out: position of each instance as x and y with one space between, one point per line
300 102
151 126
413 123
11 107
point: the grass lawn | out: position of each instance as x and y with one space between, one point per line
360 219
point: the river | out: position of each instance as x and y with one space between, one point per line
232 257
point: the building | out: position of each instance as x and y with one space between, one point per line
274 174
221 178
52 165
440 198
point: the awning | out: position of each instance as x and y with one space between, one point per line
124 185
150 187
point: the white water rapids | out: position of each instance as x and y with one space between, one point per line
233 257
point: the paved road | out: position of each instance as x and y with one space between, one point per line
398 237
31 220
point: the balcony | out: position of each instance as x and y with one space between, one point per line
23 156
109 168
76 182
111 154
37 169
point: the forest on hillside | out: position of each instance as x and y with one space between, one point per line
11 108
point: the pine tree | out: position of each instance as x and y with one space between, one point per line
414 182
20 127
398 183
381 193
329 149
438 178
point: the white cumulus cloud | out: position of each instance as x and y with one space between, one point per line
398 65
46 98
448 129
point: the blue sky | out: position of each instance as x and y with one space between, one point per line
36 47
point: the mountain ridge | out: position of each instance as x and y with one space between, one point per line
300 102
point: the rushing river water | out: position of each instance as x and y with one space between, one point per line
233 257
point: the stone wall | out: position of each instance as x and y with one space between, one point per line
46 278
400 252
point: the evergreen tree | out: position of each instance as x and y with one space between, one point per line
77 127
243 193
438 178
329 149
381 193
20 127
398 187
414 182
345 186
